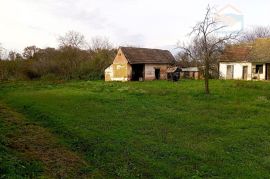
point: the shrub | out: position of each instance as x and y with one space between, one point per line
66 63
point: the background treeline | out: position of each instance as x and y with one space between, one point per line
74 59
77 59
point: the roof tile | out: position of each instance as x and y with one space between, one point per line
147 56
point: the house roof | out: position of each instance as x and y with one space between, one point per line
236 53
147 56
257 51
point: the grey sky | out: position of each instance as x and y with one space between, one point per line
146 23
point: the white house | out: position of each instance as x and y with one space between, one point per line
246 61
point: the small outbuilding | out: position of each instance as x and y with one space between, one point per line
138 64
190 73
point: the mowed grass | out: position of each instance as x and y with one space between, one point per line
12 163
156 129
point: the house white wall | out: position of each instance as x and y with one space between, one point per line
237 70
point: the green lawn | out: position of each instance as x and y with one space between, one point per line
154 129
12 163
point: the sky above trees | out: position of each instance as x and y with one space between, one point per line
145 23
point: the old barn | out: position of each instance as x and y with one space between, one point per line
138 64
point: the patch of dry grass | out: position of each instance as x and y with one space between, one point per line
37 143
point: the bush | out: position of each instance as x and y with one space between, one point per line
66 63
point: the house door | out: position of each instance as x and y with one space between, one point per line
157 73
267 71
229 75
245 72
137 72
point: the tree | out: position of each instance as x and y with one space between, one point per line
100 43
206 43
13 55
19 56
1 51
30 51
184 60
72 39
256 32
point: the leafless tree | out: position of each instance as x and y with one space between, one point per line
100 43
13 55
256 32
1 51
72 39
30 51
207 43
184 60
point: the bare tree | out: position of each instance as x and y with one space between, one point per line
184 60
19 56
100 43
13 55
1 51
255 32
72 39
207 43
30 51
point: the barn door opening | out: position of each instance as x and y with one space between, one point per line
267 71
245 72
137 72
229 75
157 73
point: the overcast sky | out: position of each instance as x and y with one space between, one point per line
145 23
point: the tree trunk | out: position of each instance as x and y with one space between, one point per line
206 78
207 91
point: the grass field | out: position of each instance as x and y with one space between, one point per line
154 129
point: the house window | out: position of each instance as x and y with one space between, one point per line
259 69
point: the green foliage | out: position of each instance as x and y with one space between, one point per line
14 70
66 63
155 129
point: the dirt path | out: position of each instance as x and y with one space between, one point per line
37 143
